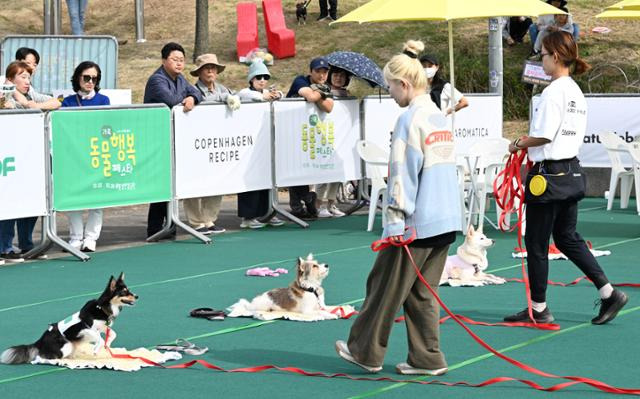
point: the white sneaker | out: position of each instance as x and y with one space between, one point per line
343 352
323 212
275 222
336 212
407 369
77 244
251 224
88 245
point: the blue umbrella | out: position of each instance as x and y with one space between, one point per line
359 66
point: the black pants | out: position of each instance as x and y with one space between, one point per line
517 29
156 217
558 219
332 10
253 204
298 195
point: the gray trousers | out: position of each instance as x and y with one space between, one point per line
393 283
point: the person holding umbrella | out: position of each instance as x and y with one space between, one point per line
423 202
440 88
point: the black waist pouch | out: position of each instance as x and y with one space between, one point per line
552 181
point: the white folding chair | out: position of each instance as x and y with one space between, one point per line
376 166
615 145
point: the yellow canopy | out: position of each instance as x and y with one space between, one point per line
620 14
626 5
445 10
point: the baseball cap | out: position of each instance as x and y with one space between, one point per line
319 62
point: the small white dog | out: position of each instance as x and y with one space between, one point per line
466 268
304 297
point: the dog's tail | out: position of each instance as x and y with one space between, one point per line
19 354
242 308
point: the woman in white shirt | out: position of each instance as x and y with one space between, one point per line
440 88
556 133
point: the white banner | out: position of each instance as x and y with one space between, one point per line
219 151
23 190
314 147
116 96
481 119
607 114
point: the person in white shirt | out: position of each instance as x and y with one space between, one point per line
440 88
557 131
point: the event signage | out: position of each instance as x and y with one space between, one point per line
533 73
608 113
314 147
110 157
23 190
482 119
219 151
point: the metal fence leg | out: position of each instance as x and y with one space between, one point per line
166 229
284 213
53 236
175 217
45 243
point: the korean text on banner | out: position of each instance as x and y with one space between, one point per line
23 190
222 152
314 147
482 119
110 157
616 114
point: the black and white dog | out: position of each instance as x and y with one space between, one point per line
301 11
59 340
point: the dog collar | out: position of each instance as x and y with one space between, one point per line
311 290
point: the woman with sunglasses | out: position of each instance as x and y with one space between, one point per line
253 205
86 85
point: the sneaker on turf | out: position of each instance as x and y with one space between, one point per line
541 317
610 307
88 245
251 224
275 222
323 212
12 257
343 352
407 369
213 229
336 212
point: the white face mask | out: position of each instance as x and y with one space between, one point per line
430 72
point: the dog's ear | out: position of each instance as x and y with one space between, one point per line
111 285
121 277
310 256
471 230
480 229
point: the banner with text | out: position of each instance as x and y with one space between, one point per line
607 114
481 119
219 151
110 157
23 190
314 147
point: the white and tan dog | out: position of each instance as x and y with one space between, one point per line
467 267
302 300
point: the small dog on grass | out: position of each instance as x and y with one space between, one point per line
301 11
87 325
466 268
304 295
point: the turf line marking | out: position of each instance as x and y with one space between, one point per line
489 355
173 280
613 244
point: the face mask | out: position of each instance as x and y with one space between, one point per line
430 72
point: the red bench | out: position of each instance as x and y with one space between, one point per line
247 37
281 41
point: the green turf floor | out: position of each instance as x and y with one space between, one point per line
173 277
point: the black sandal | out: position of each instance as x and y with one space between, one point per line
208 313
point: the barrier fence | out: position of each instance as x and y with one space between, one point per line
115 156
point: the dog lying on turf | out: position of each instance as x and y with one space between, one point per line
304 296
60 339
466 268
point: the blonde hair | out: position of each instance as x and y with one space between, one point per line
406 66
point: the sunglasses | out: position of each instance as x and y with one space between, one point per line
89 78
262 77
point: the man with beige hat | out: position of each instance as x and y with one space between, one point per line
202 213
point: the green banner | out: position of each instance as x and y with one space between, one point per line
110 157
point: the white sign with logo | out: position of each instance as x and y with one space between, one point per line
607 114
482 119
314 147
219 151
23 190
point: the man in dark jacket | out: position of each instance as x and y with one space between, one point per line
168 86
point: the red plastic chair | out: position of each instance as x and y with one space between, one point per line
247 37
281 41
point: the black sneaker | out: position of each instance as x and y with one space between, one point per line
203 230
610 307
541 317
12 257
216 230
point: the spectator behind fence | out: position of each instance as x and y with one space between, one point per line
253 205
202 213
167 86
440 88
77 10
19 73
86 84
561 22
545 21
327 193
313 89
